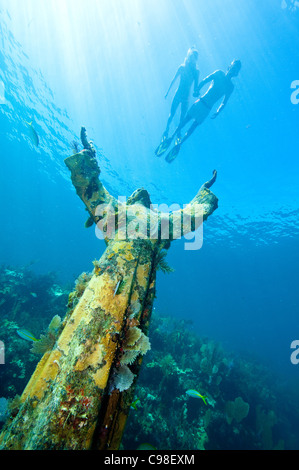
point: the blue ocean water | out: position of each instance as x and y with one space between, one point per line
107 65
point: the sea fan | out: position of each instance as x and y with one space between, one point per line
129 357
136 343
133 336
47 341
122 378
162 264
44 344
143 344
55 324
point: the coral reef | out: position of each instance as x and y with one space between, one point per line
237 409
3 409
245 407
27 300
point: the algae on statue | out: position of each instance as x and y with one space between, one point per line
80 393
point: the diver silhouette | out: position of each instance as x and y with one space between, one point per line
220 87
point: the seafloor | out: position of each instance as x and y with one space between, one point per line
247 406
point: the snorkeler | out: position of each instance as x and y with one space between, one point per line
221 86
189 74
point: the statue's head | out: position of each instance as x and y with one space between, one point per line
140 196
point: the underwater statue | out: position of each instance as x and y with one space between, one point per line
81 392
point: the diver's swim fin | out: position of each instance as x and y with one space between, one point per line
164 145
173 153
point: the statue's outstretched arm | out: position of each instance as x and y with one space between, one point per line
85 172
188 219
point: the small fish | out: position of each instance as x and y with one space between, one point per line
116 288
133 405
119 287
195 394
25 334
33 294
33 134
